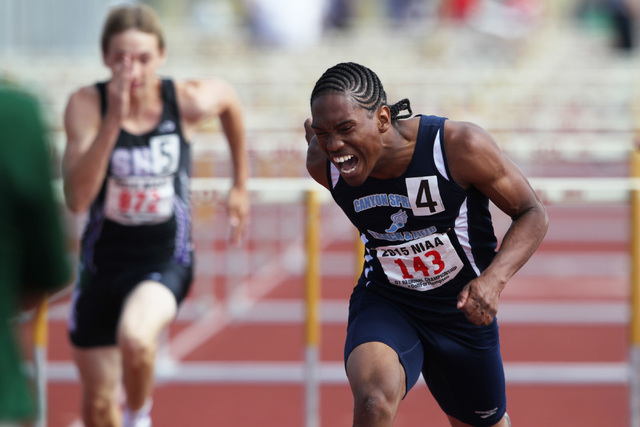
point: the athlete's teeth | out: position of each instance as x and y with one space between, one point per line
342 159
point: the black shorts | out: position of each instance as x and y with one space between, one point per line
460 362
98 299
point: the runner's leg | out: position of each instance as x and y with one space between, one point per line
100 373
377 381
149 308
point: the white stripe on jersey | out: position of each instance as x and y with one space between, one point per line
335 175
462 221
367 256
438 157
462 231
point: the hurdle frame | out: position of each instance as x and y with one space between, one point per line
634 321
289 189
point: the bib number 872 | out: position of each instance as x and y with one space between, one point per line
138 201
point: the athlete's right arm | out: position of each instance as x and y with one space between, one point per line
91 138
316 159
90 141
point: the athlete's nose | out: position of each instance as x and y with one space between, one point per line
334 143
136 69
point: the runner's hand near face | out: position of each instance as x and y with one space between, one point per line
119 89
316 159
309 132
90 138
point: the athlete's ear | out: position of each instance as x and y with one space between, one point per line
384 118
163 57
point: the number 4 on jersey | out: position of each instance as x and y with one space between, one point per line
424 194
424 199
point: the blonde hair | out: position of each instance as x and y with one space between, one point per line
138 17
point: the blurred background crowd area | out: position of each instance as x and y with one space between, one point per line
554 81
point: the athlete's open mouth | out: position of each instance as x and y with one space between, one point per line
347 164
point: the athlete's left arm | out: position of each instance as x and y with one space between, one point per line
476 160
200 100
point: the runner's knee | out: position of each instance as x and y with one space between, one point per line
137 350
99 407
374 405
376 395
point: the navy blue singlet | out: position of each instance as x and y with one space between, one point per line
142 214
425 236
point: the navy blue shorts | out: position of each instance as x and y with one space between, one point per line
98 299
460 362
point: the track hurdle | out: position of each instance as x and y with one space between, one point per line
312 315
40 332
634 327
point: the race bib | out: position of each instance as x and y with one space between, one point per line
139 200
422 264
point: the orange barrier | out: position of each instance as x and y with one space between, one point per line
312 304
40 332
634 321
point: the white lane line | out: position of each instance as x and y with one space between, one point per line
219 317
336 311
591 312
249 310
192 372
194 335
251 291
567 373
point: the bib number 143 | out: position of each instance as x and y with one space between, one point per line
422 264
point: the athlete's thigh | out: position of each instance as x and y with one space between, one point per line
100 370
176 277
463 369
95 311
380 337
374 366
149 308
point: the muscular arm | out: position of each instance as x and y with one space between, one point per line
202 99
89 144
90 139
475 160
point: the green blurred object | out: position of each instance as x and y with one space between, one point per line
32 249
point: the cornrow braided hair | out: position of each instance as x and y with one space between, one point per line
362 84
399 106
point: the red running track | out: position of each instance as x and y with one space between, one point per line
270 405
282 405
